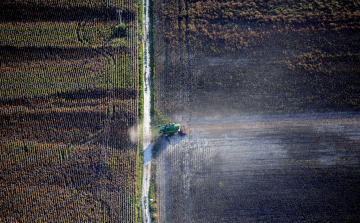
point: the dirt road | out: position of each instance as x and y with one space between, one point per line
147 145
294 168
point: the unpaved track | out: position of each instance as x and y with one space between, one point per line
147 145
301 168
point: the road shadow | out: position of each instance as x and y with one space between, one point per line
147 153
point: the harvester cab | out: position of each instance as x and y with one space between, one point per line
172 128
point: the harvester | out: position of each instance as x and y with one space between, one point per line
173 128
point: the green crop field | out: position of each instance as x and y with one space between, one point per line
69 93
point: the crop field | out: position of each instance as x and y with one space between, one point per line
264 61
69 93
257 56
261 169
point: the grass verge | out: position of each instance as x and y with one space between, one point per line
139 175
153 195
141 113
156 117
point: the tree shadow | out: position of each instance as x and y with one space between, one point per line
125 94
12 56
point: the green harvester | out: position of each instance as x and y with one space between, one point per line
173 128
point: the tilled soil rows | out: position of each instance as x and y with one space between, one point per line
213 56
244 169
266 88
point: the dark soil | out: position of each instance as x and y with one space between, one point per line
265 87
262 169
261 68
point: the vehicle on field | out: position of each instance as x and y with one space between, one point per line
172 128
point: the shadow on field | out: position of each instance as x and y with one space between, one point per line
14 55
21 12
325 146
80 127
74 95
163 143
98 93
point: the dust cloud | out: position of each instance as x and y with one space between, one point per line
258 167
133 134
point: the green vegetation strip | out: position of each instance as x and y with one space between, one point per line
153 195
140 157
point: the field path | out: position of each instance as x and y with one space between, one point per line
147 145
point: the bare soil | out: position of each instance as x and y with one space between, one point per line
300 168
271 94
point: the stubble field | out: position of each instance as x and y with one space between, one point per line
270 90
261 169
257 57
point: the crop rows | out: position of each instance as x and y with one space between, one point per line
254 59
179 163
69 94
239 25
257 168
227 27
257 56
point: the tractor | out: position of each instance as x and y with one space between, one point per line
173 128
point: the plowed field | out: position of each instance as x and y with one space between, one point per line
262 169
270 90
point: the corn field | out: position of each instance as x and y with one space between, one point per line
69 93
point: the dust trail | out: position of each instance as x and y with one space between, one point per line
147 145
249 168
